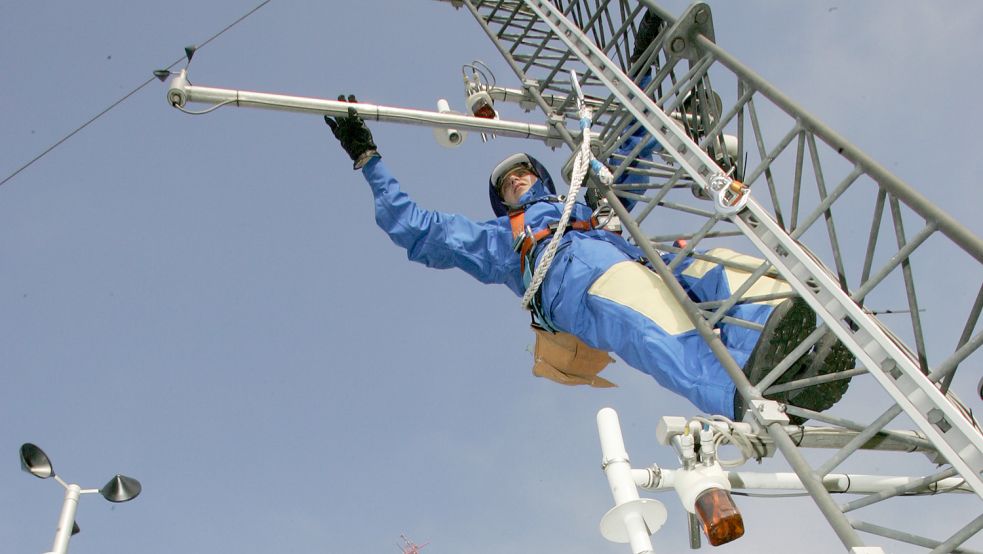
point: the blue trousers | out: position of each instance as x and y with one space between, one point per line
629 311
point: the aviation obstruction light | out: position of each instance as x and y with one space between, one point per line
482 105
705 491
719 517
478 81
119 489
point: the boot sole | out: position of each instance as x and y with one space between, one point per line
787 326
831 356
790 324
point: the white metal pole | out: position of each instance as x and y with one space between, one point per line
66 522
181 92
638 535
833 482
617 466
631 518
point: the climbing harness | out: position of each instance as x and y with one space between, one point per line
525 240
562 357
581 164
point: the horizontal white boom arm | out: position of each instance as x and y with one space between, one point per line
181 92
859 484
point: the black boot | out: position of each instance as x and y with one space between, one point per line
829 356
648 29
790 323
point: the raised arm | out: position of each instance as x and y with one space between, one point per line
437 239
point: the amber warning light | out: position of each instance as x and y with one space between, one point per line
719 516
704 490
481 105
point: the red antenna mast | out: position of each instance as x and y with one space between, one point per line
409 547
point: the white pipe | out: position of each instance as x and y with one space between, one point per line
638 535
628 507
834 482
66 521
615 461
181 92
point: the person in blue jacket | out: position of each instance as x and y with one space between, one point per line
596 288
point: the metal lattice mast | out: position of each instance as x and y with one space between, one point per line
804 179
810 187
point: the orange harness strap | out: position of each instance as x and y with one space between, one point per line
517 219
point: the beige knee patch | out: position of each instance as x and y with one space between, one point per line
737 277
635 286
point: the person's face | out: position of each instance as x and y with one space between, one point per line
515 183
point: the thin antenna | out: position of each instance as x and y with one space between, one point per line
409 547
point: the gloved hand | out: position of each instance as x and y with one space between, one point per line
354 136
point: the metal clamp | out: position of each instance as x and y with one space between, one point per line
769 411
609 461
729 195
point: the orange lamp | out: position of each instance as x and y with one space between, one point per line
719 516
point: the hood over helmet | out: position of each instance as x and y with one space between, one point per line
503 167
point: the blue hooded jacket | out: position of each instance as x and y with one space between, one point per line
682 363
484 249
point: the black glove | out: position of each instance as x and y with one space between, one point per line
354 136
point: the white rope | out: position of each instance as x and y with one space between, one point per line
581 164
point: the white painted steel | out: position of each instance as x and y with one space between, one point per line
614 461
181 93
834 482
66 521
632 519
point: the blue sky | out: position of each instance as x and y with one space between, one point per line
204 303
